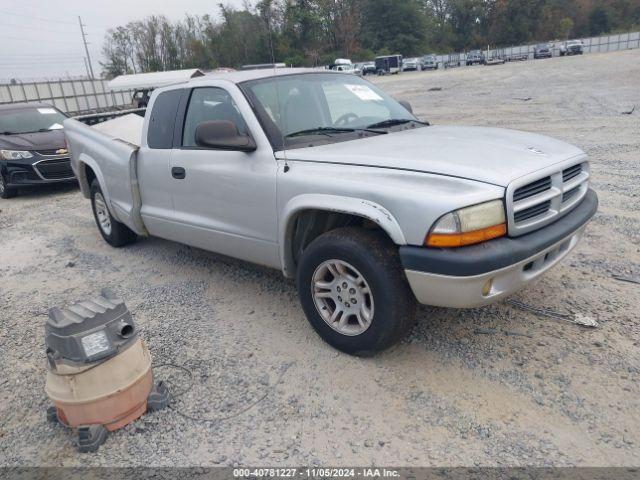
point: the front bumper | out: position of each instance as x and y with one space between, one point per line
37 170
482 274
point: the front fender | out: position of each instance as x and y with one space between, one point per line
331 203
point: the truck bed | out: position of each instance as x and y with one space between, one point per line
110 150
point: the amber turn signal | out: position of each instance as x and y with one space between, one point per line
448 240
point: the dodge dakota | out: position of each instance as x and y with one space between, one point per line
326 177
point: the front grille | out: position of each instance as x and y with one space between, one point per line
55 169
534 202
532 212
571 172
566 196
532 189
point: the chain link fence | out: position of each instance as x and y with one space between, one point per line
76 97
607 43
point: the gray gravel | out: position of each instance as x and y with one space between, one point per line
489 386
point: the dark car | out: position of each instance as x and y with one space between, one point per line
475 56
367 68
543 50
33 150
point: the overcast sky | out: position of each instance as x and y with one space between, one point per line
41 38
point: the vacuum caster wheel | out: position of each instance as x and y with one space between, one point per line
52 415
90 437
158 398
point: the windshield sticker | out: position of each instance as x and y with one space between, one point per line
47 111
363 92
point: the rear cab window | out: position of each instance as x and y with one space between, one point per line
163 119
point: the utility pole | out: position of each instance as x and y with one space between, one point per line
86 48
86 67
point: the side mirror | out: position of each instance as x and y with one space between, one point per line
223 134
406 105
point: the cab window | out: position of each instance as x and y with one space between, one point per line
210 103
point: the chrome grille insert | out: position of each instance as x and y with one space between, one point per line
54 169
541 198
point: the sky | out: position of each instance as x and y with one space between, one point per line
41 38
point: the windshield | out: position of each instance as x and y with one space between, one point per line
322 107
30 120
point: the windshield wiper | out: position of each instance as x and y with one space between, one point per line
40 130
8 133
392 122
329 131
320 131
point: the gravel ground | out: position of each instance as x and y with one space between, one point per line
491 386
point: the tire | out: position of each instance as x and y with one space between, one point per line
114 233
389 302
5 191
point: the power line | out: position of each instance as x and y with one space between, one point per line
40 19
41 29
38 40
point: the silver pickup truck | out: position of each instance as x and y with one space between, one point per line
326 177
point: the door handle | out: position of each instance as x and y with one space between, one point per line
178 172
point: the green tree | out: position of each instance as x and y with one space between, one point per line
397 25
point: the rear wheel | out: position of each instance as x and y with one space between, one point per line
354 292
5 191
114 233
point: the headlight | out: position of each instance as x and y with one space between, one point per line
14 154
469 225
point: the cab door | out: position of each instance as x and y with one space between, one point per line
224 200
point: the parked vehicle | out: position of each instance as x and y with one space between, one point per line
342 61
329 179
347 69
429 62
475 57
140 98
571 47
389 64
410 64
367 67
143 84
543 50
32 147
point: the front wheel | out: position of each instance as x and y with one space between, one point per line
354 292
5 191
114 233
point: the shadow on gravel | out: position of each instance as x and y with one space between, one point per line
46 190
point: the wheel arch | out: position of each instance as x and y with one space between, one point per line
320 213
88 171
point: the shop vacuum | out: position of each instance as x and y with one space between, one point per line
99 372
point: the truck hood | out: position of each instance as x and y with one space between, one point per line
51 140
491 155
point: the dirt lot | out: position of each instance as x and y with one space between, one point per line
491 386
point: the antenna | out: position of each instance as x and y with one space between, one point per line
275 68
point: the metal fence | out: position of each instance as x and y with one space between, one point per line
70 96
77 96
607 43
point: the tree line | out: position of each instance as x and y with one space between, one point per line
314 32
